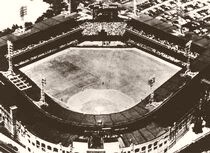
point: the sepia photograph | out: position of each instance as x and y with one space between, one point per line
104 76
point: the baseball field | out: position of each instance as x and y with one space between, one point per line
100 80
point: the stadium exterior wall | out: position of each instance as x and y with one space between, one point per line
34 144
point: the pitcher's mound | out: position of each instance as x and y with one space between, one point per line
100 101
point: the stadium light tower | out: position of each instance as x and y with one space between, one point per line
187 51
42 98
23 13
187 48
188 36
10 50
151 83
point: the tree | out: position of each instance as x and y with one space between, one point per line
28 25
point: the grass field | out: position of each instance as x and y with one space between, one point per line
100 80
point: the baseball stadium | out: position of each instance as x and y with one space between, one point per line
114 83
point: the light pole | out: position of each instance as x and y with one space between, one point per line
42 98
187 49
10 50
151 83
23 13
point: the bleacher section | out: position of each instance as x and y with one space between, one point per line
111 28
17 80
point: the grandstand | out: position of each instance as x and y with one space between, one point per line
141 85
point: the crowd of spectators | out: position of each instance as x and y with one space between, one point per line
47 52
111 28
41 42
91 28
174 47
116 28
159 53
